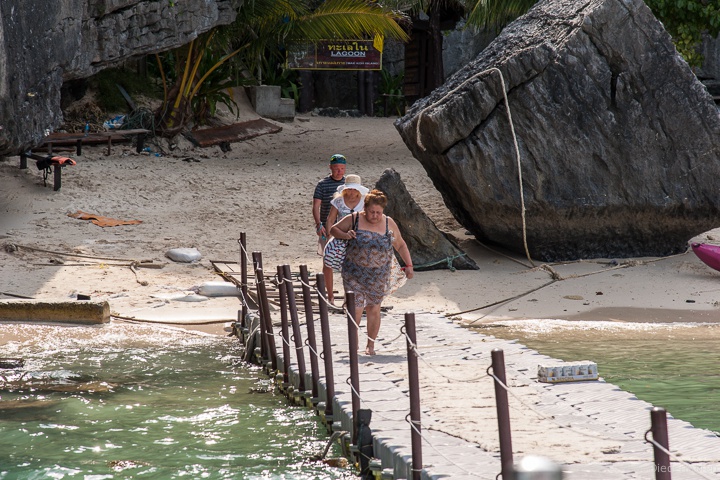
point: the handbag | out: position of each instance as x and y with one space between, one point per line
334 253
336 248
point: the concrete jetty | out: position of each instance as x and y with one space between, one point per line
85 312
593 429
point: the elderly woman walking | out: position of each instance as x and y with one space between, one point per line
366 270
350 198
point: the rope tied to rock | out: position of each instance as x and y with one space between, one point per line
448 260
512 130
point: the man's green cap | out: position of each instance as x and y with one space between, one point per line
338 159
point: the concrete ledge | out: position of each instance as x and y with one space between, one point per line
267 102
62 311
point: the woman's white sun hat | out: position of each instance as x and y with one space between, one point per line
353 182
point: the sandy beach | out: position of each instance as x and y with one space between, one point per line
203 198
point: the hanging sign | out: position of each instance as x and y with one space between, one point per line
336 55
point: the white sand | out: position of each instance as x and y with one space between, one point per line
204 198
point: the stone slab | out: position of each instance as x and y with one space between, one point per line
84 312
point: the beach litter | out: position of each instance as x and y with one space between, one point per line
183 255
101 221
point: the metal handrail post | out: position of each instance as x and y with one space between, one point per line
327 347
243 278
353 328
658 419
265 320
295 322
503 414
284 328
414 380
310 323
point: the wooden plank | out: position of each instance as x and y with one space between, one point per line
58 138
231 133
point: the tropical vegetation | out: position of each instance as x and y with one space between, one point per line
196 77
685 20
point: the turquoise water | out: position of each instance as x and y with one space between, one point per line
148 402
673 366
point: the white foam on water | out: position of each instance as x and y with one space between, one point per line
540 326
47 339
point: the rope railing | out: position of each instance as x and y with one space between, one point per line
430 444
676 458
413 348
417 353
414 427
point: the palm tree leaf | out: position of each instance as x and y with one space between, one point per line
349 19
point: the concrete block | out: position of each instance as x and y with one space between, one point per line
60 311
267 102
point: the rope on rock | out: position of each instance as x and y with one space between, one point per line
512 130
448 260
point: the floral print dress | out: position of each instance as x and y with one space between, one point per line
366 269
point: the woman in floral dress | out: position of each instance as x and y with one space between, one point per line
367 266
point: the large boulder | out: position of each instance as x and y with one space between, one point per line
619 143
45 43
430 249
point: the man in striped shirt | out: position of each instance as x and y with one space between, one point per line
324 191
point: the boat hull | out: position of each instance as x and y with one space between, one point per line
709 254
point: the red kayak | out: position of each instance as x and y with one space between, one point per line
709 254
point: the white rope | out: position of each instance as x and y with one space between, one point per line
382 417
413 348
285 340
245 302
320 296
512 130
352 389
301 347
312 350
244 251
474 473
675 457
550 418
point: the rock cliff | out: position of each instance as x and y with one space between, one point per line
619 143
44 43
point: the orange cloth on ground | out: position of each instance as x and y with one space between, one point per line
102 221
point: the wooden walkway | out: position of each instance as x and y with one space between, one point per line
593 429
232 272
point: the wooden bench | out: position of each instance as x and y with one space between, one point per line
98 138
44 162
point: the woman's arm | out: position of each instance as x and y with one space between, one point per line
332 217
402 248
343 228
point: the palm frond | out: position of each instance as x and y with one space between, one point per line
349 19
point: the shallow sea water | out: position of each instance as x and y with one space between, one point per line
670 365
148 402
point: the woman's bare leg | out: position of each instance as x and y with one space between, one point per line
373 327
328 274
358 316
